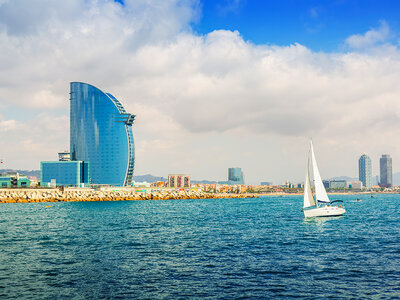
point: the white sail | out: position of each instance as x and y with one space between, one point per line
320 192
308 197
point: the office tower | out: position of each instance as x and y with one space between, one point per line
235 176
365 171
386 170
101 134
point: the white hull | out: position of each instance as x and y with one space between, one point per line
326 211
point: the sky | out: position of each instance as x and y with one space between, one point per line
318 24
214 84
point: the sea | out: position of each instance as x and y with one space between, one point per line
254 248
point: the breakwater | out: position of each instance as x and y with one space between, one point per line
56 195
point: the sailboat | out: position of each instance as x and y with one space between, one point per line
321 206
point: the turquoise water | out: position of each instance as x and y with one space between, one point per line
215 249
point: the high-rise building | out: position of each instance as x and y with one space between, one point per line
101 134
235 176
386 170
365 171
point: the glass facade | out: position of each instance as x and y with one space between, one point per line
235 176
101 134
365 171
386 170
65 173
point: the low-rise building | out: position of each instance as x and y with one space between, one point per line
356 185
158 184
338 184
13 180
64 173
141 184
179 181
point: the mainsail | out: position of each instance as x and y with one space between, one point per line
320 192
308 197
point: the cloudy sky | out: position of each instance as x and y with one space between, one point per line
214 84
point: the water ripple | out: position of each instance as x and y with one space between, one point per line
212 249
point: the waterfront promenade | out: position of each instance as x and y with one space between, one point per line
56 195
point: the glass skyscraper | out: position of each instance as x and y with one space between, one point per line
386 170
365 171
101 134
235 176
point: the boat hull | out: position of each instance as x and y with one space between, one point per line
326 211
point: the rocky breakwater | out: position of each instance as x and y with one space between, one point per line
56 195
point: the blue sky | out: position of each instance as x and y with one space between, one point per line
318 24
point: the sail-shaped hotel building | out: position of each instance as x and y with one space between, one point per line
101 134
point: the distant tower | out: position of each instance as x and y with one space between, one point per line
235 176
365 171
386 170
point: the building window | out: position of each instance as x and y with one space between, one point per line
4 184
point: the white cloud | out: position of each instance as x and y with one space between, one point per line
7 125
203 103
370 38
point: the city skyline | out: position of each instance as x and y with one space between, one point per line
215 84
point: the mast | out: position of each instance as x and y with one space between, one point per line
320 192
